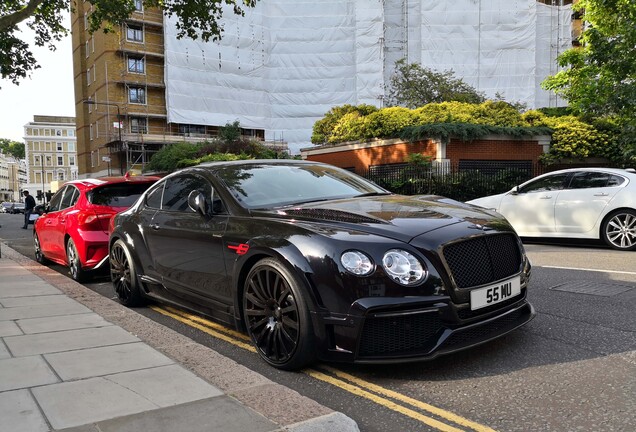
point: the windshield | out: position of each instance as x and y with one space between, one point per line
117 195
267 186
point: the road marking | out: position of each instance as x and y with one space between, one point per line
589 270
342 380
413 402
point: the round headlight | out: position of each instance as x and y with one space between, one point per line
403 267
356 262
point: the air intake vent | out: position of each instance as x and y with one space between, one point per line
333 215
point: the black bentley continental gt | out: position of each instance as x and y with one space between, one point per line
317 263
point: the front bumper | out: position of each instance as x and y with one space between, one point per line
420 332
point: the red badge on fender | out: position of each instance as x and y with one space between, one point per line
240 249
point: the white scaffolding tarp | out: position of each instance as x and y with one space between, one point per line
284 64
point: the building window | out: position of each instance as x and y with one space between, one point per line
93 159
134 33
136 65
70 147
49 161
139 5
60 160
86 48
90 131
137 95
71 160
58 132
60 175
138 125
59 147
36 160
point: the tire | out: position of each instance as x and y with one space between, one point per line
39 256
74 262
619 230
276 316
124 276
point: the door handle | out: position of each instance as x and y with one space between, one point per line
154 226
601 194
546 197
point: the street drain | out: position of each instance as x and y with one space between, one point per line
592 288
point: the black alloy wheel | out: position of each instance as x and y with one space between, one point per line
39 256
74 263
619 230
124 276
276 316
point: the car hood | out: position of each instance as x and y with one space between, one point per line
394 216
492 202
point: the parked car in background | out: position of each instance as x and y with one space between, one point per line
73 230
5 207
17 208
594 203
317 263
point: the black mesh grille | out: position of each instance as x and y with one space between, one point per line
474 334
398 334
482 260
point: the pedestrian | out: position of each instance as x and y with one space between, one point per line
29 205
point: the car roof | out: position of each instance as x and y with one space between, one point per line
219 164
619 171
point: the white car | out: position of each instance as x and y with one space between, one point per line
594 203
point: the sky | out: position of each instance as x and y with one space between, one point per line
49 90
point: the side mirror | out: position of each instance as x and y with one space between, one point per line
515 191
196 202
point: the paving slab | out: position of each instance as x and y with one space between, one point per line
24 372
20 413
35 300
216 414
69 308
27 288
87 363
9 328
152 384
4 353
46 343
82 402
60 323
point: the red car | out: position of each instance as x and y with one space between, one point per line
74 229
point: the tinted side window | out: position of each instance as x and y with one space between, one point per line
584 180
553 182
153 198
615 180
71 194
54 204
175 196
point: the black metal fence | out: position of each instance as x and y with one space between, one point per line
463 181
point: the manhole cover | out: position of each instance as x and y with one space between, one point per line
592 288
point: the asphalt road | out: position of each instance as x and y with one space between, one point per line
573 368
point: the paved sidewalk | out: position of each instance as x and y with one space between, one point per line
73 360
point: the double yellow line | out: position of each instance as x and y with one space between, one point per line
430 415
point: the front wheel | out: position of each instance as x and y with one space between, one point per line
619 230
276 316
124 276
74 262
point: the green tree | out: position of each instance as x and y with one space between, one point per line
599 77
413 86
196 18
13 148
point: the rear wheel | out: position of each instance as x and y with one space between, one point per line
39 256
124 276
74 262
619 230
276 316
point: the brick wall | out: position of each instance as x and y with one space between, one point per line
493 150
362 158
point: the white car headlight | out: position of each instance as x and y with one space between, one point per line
356 262
403 267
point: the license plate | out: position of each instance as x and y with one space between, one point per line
494 294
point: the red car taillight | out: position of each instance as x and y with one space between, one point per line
91 221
